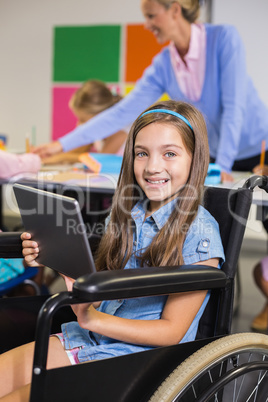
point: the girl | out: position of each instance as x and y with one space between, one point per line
156 220
205 65
92 98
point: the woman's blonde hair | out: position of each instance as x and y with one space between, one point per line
190 8
166 247
93 97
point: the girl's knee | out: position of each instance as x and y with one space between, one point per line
260 280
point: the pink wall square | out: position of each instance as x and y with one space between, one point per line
63 119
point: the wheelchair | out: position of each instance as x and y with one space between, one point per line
216 366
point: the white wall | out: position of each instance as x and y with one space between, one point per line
26 39
26 28
250 18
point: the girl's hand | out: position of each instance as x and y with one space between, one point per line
30 250
80 310
69 282
85 312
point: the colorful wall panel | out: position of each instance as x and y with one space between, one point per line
115 54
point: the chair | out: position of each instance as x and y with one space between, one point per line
137 376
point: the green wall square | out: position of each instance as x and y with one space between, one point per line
87 52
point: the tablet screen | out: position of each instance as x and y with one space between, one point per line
56 224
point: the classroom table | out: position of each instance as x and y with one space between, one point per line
91 189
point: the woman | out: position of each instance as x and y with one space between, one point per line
204 65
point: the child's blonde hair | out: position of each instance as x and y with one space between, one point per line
166 247
93 97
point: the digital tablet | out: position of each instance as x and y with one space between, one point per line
56 224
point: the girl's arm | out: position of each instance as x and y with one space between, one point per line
177 316
11 164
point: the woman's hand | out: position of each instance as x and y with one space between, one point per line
47 149
30 250
259 169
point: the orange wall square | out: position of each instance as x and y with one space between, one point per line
141 47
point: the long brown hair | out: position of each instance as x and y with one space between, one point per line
166 247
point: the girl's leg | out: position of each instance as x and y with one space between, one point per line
20 395
259 277
16 366
260 322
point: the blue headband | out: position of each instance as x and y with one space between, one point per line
169 112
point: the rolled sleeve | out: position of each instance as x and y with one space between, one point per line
203 240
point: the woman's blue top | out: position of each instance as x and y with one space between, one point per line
202 243
236 117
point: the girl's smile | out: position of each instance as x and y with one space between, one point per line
162 163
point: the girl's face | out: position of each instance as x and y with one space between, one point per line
161 163
158 20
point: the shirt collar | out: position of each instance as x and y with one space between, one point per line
197 33
160 216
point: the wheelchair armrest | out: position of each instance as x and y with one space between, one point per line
127 283
10 245
122 284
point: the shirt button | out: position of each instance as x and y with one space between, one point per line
205 243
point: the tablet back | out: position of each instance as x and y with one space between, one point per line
56 224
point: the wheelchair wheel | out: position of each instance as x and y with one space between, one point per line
233 368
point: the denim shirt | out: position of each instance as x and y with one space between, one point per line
202 243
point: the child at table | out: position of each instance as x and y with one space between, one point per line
12 164
90 99
156 220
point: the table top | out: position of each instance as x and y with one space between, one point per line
67 177
71 177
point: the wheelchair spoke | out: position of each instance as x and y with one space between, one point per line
194 391
242 381
256 387
236 376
